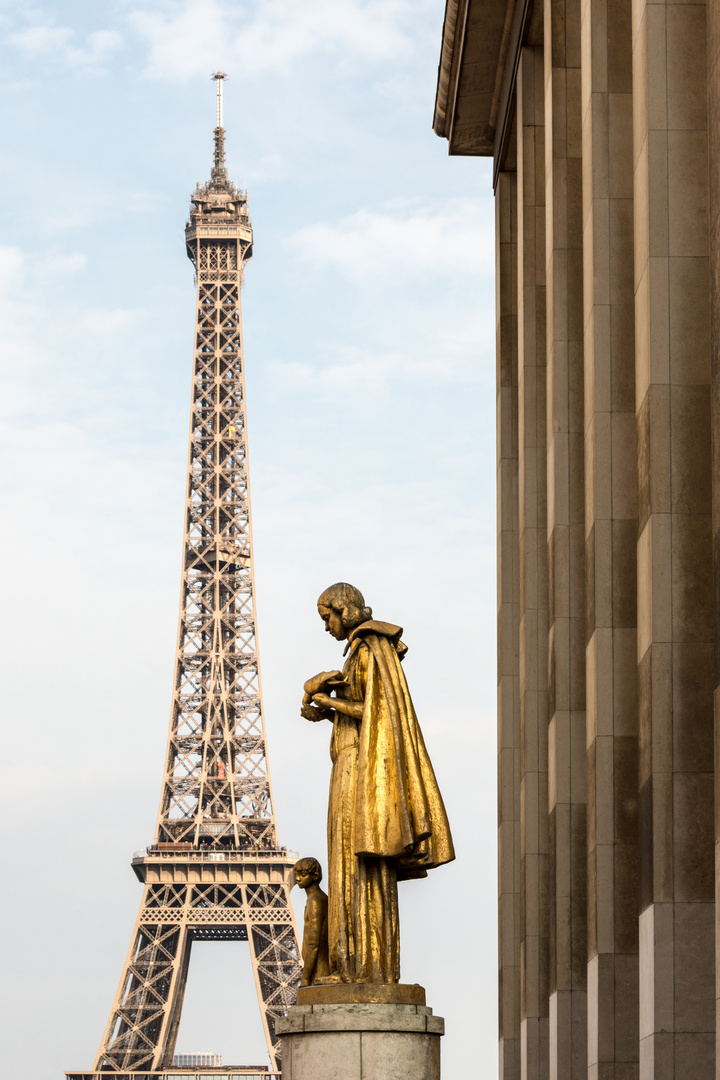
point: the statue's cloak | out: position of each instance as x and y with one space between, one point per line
399 812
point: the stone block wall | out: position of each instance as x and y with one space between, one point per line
605 128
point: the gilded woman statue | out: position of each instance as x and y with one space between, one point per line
386 819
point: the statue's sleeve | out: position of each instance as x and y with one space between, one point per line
358 685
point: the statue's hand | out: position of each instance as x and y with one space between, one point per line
311 712
316 684
323 701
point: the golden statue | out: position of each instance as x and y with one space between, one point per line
316 965
386 819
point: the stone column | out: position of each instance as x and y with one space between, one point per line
508 616
533 628
566 547
674 561
713 50
610 540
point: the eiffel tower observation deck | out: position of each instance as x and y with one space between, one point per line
215 870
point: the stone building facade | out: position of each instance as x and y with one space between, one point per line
603 121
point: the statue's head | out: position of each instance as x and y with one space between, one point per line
307 872
342 608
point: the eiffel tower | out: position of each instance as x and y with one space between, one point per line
215 871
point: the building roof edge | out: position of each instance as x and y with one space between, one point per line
476 35
448 54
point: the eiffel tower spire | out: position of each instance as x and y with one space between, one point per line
219 172
215 871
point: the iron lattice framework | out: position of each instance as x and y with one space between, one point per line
215 871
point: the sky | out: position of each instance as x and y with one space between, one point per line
368 315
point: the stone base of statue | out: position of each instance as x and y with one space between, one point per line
361 1031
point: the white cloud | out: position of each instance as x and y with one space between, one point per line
42 40
59 43
367 373
64 265
350 369
102 43
194 36
14 264
285 29
20 350
371 244
35 337
110 320
184 41
12 269
268 167
403 257
81 203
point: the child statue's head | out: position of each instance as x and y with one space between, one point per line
308 872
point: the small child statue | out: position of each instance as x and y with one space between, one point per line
316 961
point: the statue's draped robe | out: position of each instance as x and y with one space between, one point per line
386 818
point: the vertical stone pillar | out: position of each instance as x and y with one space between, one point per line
533 628
508 614
566 549
713 53
610 540
674 559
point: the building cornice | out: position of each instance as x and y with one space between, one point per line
476 41
447 68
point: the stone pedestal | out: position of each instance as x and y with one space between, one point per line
360 1040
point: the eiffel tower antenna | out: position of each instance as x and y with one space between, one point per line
215 870
219 77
